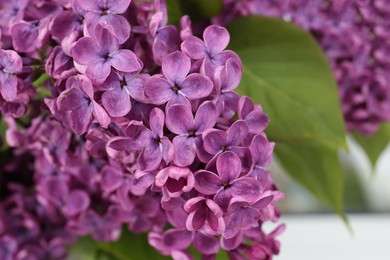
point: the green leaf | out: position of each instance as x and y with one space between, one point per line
197 9
3 129
287 73
130 247
40 87
375 144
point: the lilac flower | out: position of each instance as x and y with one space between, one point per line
120 88
102 52
174 181
56 191
228 183
261 150
204 214
10 63
78 100
151 143
253 115
211 51
108 13
176 86
218 141
188 142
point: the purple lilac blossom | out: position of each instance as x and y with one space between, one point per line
354 36
136 124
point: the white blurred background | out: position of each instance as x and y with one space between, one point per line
314 233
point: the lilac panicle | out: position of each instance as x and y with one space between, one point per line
136 124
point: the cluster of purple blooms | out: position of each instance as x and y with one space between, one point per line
142 128
355 37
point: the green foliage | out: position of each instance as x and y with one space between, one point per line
128 247
287 73
3 129
375 144
196 9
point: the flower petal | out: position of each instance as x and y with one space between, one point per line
194 48
159 90
99 71
228 166
205 244
196 86
177 239
206 117
86 51
116 102
216 39
237 133
175 67
184 150
156 122
247 189
207 182
214 140
179 119
125 61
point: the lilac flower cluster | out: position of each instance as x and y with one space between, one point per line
354 36
142 127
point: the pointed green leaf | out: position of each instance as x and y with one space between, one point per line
375 144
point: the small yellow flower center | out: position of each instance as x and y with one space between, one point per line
175 89
191 133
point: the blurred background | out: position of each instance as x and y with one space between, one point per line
315 232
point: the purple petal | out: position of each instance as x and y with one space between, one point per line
247 188
206 116
205 244
196 86
196 219
125 61
99 71
223 197
77 202
194 48
177 239
167 41
184 150
257 121
175 67
112 179
261 150
214 141
8 86
228 166
64 24
118 6
71 99
216 39
101 115
157 119
232 243
245 106
86 51
159 90
89 5
167 149
136 86
233 225
245 155
24 36
207 182
106 40
230 75
80 119
120 25
150 158
10 61
116 102
237 133
179 119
